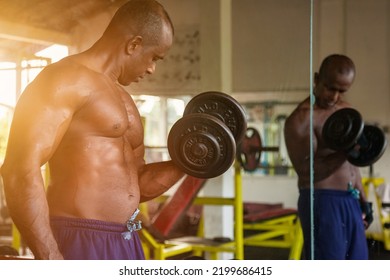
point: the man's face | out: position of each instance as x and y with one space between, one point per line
144 58
330 89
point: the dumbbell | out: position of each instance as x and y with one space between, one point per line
345 130
203 142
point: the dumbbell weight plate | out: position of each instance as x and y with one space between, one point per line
201 145
342 129
249 150
375 144
222 106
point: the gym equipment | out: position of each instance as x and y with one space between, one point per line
250 149
342 129
156 250
345 131
177 204
222 106
201 145
200 244
272 225
203 142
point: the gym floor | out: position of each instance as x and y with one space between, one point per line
376 251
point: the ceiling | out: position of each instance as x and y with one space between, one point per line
27 26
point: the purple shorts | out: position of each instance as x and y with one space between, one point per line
84 239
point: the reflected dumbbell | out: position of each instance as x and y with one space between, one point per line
345 131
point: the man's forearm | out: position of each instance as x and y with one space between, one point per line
156 178
30 213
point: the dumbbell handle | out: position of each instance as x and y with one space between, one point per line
270 149
360 144
264 149
362 141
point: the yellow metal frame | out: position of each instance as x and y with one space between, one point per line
199 245
161 251
236 246
278 232
16 238
383 236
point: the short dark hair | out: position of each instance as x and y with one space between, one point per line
342 64
140 17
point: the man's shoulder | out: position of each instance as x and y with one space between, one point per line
67 67
302 110
67 74
63 80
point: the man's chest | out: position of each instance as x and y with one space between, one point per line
109 115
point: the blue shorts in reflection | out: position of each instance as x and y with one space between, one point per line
338 228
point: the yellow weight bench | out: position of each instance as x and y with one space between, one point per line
275 227
156 250
215 246
200 245
197 244
186 246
